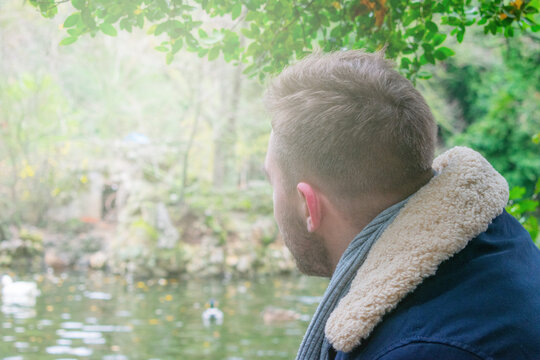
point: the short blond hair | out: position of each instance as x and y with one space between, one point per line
351 122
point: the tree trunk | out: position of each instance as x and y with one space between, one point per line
225 139
196 114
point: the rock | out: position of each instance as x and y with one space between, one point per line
55 261
97 260
244 264
168 235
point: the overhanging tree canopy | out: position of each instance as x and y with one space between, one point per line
266 35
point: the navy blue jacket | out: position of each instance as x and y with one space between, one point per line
482 303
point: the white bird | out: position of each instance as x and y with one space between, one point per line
19 293
212 314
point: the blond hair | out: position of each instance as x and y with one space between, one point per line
350 122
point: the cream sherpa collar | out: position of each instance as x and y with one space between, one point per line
437 222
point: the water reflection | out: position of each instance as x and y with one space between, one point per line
101 317
18 298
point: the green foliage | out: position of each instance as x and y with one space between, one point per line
70 227
255 200
501 106
492 106
525 209
218 225
24 249
35 124
148 231
267 35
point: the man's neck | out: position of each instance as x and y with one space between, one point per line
340 229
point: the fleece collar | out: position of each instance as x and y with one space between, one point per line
437 222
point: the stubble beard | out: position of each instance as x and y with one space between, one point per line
307 248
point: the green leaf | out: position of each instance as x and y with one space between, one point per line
68 41
528 205
140 21
236 10
443 53
78 4
431 26
162 48
162 5
74 32
125 25
419 34
460 36
175 24
247 33
514 211
202 52
202 34
108 29
191 41
530 10
429 57
169 58
509 31
161 28
72 20
151 29
111 19
405 63
424 75
213 53
531 224
427 47
252 15
177 45
438 39
48 8
88 19
517 192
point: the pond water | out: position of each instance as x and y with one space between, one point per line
95 316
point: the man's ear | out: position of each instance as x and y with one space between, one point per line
311 205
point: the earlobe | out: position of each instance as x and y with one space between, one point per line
309 224
312 205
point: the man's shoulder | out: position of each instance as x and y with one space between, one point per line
482 297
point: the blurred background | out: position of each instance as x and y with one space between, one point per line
133 197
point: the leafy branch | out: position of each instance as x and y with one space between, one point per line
413 32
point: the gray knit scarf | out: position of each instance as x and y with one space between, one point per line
314 345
